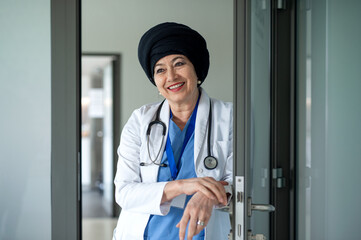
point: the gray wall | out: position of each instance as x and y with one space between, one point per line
25 120
116 26
329 118
343 119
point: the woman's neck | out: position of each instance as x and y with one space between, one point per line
182 112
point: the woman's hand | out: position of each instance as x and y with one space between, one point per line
199 208
211 188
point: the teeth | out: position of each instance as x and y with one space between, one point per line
176 86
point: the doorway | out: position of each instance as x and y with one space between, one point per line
116 26
100 103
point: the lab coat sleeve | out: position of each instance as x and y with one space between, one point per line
131 193
228 171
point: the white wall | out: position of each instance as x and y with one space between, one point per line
116 26
25 120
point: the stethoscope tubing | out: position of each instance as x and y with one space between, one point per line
209 165
209 128
156 121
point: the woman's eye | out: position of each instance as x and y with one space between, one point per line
179 63
159 70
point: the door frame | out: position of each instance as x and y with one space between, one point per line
65 119
241 101
282 105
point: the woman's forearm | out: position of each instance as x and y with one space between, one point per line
208 186
171 190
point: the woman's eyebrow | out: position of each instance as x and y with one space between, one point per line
158 64
175 59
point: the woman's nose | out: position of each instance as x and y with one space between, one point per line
171 74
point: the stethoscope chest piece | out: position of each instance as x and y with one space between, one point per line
210 162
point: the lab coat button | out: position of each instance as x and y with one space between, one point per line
200 170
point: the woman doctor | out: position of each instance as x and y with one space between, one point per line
175 157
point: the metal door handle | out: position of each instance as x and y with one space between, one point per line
263 207
259 207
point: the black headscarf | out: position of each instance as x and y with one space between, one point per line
173 38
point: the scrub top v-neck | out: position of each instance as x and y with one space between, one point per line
164 227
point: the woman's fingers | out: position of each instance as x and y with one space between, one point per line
182 225
206 191
208 186
192 227
196 216
224 183
202 221
217 189
221 193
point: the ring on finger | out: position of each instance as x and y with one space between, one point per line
200 223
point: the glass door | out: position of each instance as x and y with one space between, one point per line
258 119
253 120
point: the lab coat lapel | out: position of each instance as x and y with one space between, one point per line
164 117
200 132
156 133
155 139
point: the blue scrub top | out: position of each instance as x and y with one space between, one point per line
164 227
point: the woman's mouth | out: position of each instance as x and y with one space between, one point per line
176 87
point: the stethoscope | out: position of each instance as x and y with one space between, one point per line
210 162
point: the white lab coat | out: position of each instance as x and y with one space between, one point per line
137 191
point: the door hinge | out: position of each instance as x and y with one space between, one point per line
277 175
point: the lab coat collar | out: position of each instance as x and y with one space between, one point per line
164 115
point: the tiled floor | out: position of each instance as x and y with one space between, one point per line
98 228
97 221
93 205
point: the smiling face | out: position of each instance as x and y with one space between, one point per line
176 79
